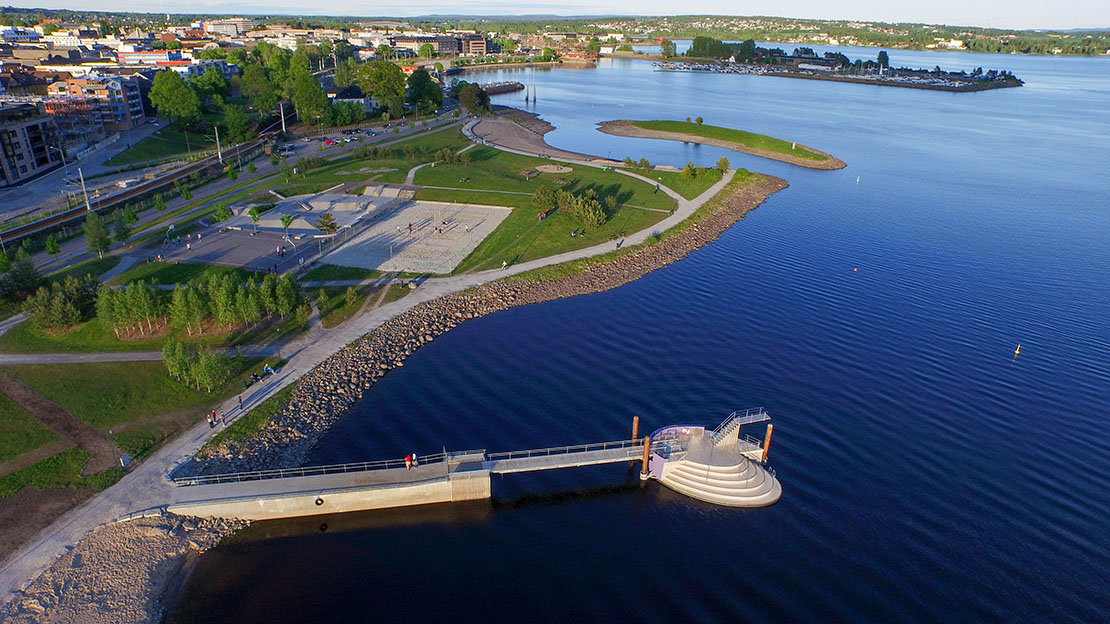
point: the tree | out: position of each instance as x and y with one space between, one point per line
667 48
256 215
723 164
326 224
423 92
52 247
544 198
472 97
351 296
285 295
644 164
211 83
427 50
594 45
309 98
236 125
384 51
5 262
96 234
690 171
159 202
884 60
174 98
256 87
698 121
130 216
745 52
231 173
286 221
121 230
384 81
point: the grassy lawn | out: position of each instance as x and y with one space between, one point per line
61 470
329 272
19 431
521 237
396 291
347 169
335 309
95 267
747 139
689 189
254 420
492 169
165 143
171 273
137 401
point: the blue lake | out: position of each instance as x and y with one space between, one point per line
928 474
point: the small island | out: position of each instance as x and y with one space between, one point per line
736 140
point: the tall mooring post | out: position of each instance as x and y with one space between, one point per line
767 442
635 426
647 452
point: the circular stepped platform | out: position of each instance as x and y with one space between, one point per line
719 473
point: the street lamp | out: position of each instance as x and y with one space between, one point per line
61 151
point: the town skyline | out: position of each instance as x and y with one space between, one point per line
1023 14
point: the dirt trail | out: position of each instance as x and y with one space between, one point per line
104 453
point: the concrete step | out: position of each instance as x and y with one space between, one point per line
758 486
769 497
740 480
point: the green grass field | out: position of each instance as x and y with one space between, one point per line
689 189
138 401
171 273
95 267
740 137
165 143
61 470
329 272
492 169
19 431
335 309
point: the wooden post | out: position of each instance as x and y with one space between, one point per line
635 426
647 452
767 442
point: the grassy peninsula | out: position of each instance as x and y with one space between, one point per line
736 140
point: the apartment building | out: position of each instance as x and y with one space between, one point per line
28 144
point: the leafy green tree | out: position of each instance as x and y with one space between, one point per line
690 171
309 98
723 164
231 173
256 215
384 51
644 164
211 83
255 85
96 234
423 92
427 50
159 202
174 98
286 221
52 246
544 198
236 125
745 52
285 295
382 80
351 296
884 59
121 230
5 262
130 216
472 97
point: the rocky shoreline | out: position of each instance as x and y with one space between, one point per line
324 394
625 128
119 574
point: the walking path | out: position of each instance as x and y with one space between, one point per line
147 486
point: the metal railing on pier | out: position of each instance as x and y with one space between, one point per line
311 471
564 450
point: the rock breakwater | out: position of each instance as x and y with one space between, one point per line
324 394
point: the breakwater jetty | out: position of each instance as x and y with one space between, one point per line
715 466
497 88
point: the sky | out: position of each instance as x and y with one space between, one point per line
997 13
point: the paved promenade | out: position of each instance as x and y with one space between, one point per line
147 487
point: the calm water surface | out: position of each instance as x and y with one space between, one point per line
927 473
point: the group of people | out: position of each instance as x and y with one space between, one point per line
214 420
410 461
540 216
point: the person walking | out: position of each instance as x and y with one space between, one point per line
408 462
240 401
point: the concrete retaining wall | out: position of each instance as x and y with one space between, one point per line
468 486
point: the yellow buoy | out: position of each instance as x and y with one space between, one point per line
1017 351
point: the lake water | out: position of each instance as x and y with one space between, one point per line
928 474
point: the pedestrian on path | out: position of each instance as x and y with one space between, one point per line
504 264
240 401
414 460
408 462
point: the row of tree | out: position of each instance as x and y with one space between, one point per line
61 304
585 208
